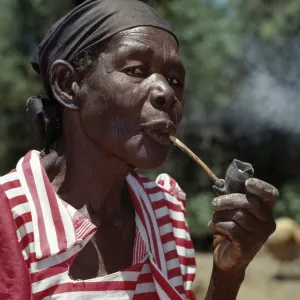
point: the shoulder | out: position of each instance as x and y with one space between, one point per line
10 185
14 276
170 185
164 188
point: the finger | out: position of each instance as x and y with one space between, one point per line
264 190
258 208
240 238
247 221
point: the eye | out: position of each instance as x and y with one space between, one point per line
173 81
136 71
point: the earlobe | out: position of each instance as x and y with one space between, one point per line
63 84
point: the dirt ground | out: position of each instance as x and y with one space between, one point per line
259 283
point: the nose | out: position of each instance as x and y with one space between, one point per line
162 95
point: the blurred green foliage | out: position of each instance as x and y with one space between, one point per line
224 44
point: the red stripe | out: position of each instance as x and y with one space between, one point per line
23 219
56 216
187 261
164 203
153 234
49 272
177 224
172 184
174 273
11 185
13 202
138 210
83 286
139 252
45 249
139 248
164 284
146 296
189 277
145 278
27 238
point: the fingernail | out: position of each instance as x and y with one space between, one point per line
209 224
215 202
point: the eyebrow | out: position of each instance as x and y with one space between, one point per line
137 48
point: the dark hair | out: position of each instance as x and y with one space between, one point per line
45 112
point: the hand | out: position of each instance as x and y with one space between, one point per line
242 224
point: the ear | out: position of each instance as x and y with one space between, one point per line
63 84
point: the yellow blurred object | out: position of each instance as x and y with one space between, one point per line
284 243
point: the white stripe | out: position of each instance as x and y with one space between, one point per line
67 224
28 250
179 233
157 196
15 192
174 200
45 205
169 246
148 287
167 228
166 181
166 196
23 230
187 269
172 263
187 285
54 260
185 252
176 215
161 212
83 228
143 231
156 229
149 185
50 281
99 295
64 278
20 209
33 210
146 269
176 281
161 293
9 177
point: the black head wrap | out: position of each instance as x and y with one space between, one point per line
89 24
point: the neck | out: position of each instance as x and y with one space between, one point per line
86 176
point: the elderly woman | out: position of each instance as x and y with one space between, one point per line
76 220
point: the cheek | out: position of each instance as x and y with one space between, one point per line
111 111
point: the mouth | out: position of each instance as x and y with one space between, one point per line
160 131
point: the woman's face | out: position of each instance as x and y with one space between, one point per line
133 98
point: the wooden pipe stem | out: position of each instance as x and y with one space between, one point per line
192 155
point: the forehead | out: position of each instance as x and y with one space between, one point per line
149 40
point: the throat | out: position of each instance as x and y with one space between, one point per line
112 247
109 251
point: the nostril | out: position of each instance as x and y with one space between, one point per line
160 101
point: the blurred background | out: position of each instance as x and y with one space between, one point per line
243 66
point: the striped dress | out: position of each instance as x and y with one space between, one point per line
50 233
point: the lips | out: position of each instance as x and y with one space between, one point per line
159 130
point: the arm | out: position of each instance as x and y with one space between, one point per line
224 285
14 276
241 225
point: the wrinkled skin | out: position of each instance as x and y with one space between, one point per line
138 79
246 222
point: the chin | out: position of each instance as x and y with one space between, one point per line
146 154
149 162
